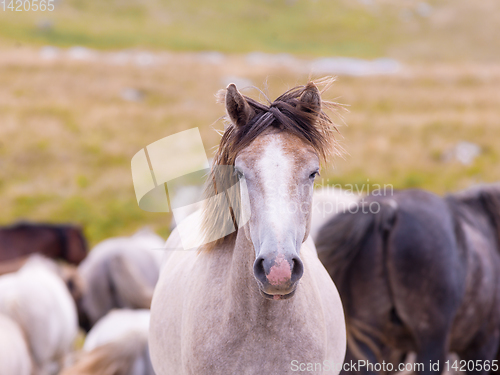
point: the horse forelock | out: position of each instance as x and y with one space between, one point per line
286 114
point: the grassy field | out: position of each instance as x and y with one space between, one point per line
67 136
410 29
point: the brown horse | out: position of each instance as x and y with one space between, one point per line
55 241
419 273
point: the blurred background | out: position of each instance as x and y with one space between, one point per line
87 85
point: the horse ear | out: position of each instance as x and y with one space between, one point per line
310 100
237 108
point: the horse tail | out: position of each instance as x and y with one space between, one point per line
128 286
343 237
338 243
114 358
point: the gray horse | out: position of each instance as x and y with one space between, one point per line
119 272
419 273
116 345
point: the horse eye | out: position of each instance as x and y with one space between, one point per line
238 173
313 175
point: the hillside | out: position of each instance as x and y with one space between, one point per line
408 30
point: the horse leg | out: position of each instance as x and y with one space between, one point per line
426 276
365 354
362 352
397 358
431 355
496 371
483 348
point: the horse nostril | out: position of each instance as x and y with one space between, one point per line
258 269
297 269
278 271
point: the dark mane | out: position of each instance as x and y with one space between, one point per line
288 114
485 198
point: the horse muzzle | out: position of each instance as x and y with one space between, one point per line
278 275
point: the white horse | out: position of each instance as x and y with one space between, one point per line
37 299
256 301
119 272
116 345
14 354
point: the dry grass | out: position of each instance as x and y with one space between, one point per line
455 30
67 137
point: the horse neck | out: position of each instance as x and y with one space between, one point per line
241 279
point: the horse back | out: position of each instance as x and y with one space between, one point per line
22 240
55 241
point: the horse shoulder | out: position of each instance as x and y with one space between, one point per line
167 311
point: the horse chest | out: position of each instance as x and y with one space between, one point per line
252 350
246 344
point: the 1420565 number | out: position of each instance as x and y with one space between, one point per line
470 365
27 5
